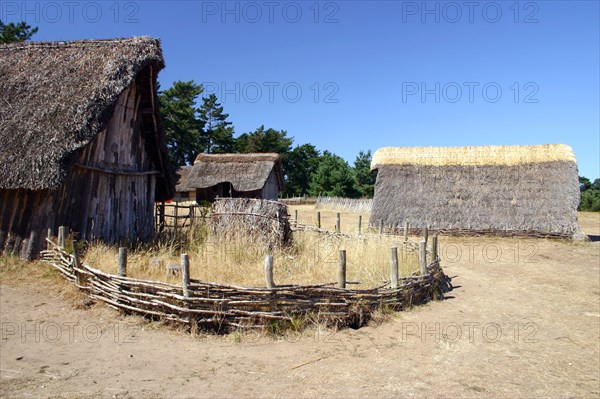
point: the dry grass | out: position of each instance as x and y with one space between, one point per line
312 259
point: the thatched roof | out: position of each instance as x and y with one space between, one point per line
525 189
56 96
182 175
478 155
246 172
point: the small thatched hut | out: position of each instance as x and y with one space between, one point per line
503 190
235 176
182 192
81 143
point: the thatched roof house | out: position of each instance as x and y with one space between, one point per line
80 139
235 175
182 192
489 189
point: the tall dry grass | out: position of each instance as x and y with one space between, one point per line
311 259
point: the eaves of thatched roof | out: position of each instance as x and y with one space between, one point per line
182 175
56 96
246 172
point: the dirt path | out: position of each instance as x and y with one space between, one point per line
523 321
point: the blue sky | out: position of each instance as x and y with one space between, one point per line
356 75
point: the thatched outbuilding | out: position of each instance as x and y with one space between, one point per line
504 190
81 143
182 192
235 176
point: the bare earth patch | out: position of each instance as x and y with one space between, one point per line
523 321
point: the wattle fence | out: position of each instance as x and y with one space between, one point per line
222 308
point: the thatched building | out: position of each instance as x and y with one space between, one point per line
234 176
182 192
81 143
505 190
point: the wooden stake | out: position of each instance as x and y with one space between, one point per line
185 274
176 217
337 223
50 235
425 233
342 269
359 224
76 261
122 262
423 257
381 226
319 219
434 247
269 271
62 234
394 267
406 225
161 217
296 216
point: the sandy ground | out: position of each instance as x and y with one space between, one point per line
522 322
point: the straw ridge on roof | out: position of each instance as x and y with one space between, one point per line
56 96
476 155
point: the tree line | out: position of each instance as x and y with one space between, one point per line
590 194
191 130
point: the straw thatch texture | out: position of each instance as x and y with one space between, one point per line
262 221
56 96
183 173
246 172
474 156
499 190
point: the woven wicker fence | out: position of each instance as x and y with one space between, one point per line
222 308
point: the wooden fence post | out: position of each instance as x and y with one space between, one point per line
29 255
122 262
381 226
185 274
319 219
434 247
425 234
176 218
359 224
342 269
406 225
394 267
62 234
76 261
49 236
296 217
269 271
337 223
161 217
423 257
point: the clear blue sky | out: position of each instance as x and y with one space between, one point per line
356 75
